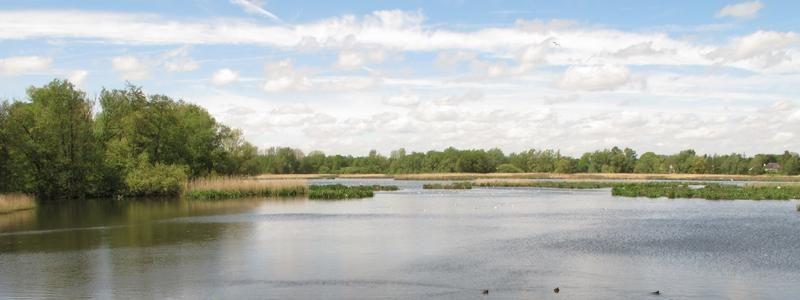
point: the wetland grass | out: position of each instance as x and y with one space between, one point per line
547 184
461 185
710 191
16 202
339 191
229 188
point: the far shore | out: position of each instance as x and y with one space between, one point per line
579 176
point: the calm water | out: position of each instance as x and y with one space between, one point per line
516 242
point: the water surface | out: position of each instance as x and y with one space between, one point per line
413 243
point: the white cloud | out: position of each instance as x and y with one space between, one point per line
353 59
761 49
77 77
19 65
255 7
224 76
178 60
282 76
641 49
594 77
450 59
405 99
130 67
741 10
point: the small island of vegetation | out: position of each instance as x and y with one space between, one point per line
463 185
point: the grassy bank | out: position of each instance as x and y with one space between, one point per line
708 191
596 176
547 184
463 185
228 188
16 202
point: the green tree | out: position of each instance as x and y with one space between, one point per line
54 134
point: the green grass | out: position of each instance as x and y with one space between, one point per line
339 191
462 185
550 184
711 191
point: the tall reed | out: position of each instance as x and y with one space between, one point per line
16 202
233 187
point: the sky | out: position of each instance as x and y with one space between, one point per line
346 77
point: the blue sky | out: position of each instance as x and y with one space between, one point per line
349 76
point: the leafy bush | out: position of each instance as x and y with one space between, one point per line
508 168
158 179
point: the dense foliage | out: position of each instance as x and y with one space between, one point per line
55 147
614 160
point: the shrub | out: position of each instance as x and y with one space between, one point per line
158 179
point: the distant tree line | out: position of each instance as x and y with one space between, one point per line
56 147
614 160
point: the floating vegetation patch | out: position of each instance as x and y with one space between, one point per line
340 191
549 184
461 185
711 191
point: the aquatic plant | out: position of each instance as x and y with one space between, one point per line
548 184
711 191
461 185
16 202
340 191
232 187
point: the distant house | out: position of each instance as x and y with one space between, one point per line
772 167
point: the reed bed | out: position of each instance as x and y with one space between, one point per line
548 184
597 176
16 202
462 185
229 188
295 176
711 191
339 191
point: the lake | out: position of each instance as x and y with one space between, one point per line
412 243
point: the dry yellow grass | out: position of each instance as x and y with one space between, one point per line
16 202
294 176
242 184
364 176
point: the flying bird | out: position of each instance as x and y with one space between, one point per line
556 44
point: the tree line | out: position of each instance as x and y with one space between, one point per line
56 146
613 160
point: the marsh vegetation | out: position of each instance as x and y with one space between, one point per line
16 202
461 185
231 187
